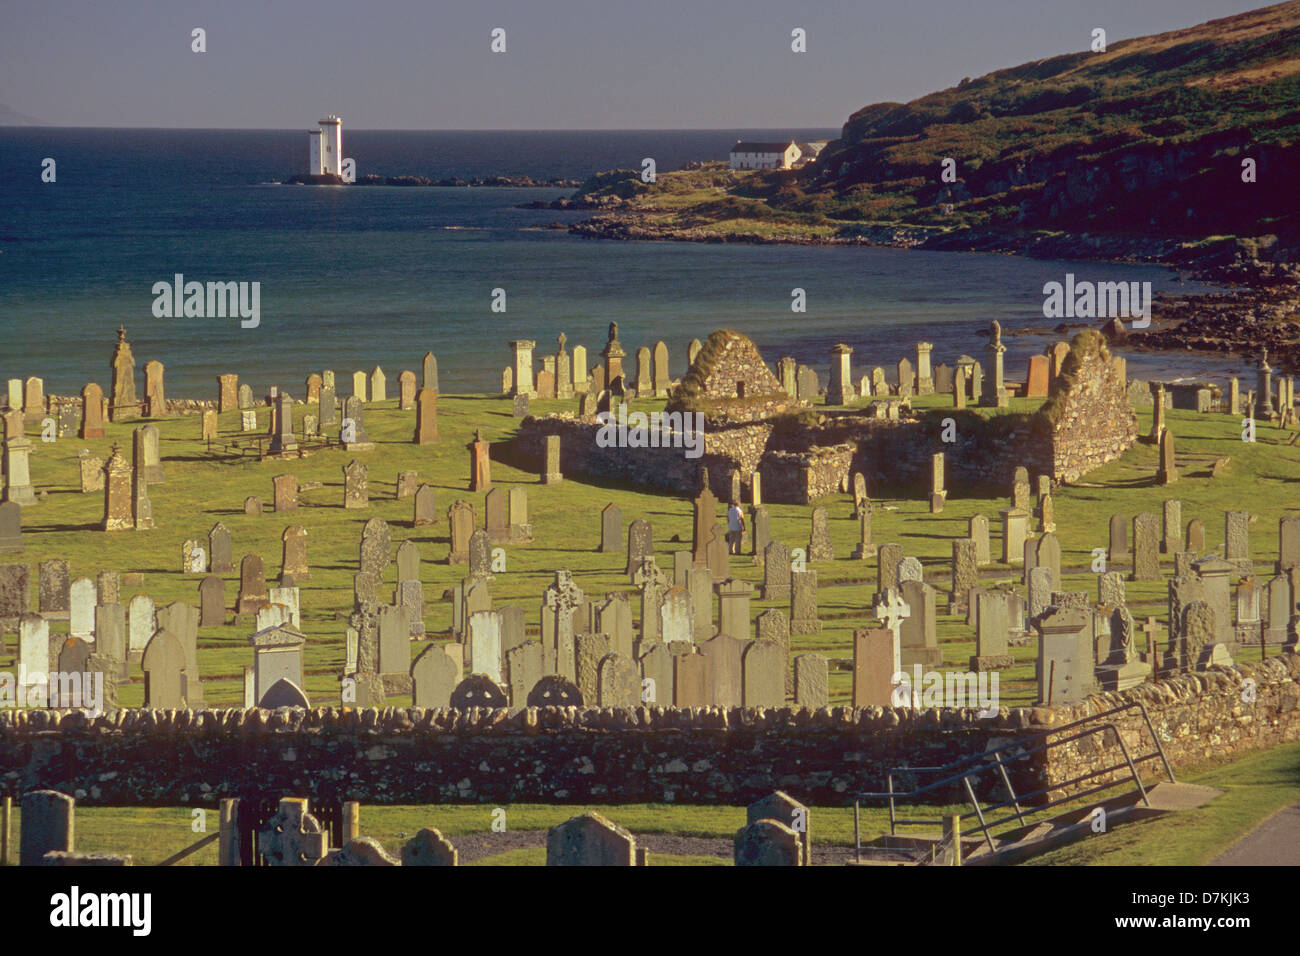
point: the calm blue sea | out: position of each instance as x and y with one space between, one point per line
363 276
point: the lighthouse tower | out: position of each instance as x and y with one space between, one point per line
315 164
331 145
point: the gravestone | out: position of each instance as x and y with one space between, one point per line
11 527
676 617
293 553
725 655
1110 589
1166 471
590 840
1171 536
142 622
991 631
977 530
589 650
613 616
819 541
484 628
1040 591
803 603
426 417
252 585
480 553
48 826
811 681
1146 545
81 608
92 472
640 544
874 666
1048 555
1288 543
555 690
718 555
13 593
705 507
767 843
54 588
611 530
376 548
1236 537
619 682
220 550
407 484
773 626
1118 552
460 520
212 602
496 518
762 534
653 584
887 568
733 607
918 643
1065 654
285 492
424 507
92 411
965 574
356 492
164 665
763 675
524 670
406 390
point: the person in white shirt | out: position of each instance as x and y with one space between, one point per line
735 527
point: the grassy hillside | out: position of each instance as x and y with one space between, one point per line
1143 140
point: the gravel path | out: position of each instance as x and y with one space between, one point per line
1275 842
478 846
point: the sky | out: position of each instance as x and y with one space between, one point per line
568 64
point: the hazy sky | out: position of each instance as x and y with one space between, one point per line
569 64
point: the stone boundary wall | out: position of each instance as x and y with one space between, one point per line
725 445
802 463
407 756
695 755
1198 717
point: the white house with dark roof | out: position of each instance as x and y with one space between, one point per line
764 155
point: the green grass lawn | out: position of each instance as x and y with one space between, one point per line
201 490
1254 788
152 834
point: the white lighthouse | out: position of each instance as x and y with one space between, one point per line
331 152
315 164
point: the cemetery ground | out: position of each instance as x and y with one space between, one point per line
1254 787
201 489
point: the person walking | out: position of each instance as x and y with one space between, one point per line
735 527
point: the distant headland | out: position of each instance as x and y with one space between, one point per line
327 166
516 182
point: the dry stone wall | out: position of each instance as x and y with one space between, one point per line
552 755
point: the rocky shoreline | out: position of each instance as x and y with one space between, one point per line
1258 308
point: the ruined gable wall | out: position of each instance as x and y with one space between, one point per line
1092 419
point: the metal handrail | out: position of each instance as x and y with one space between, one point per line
961 772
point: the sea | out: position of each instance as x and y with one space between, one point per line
355 277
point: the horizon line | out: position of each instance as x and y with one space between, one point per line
428 129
